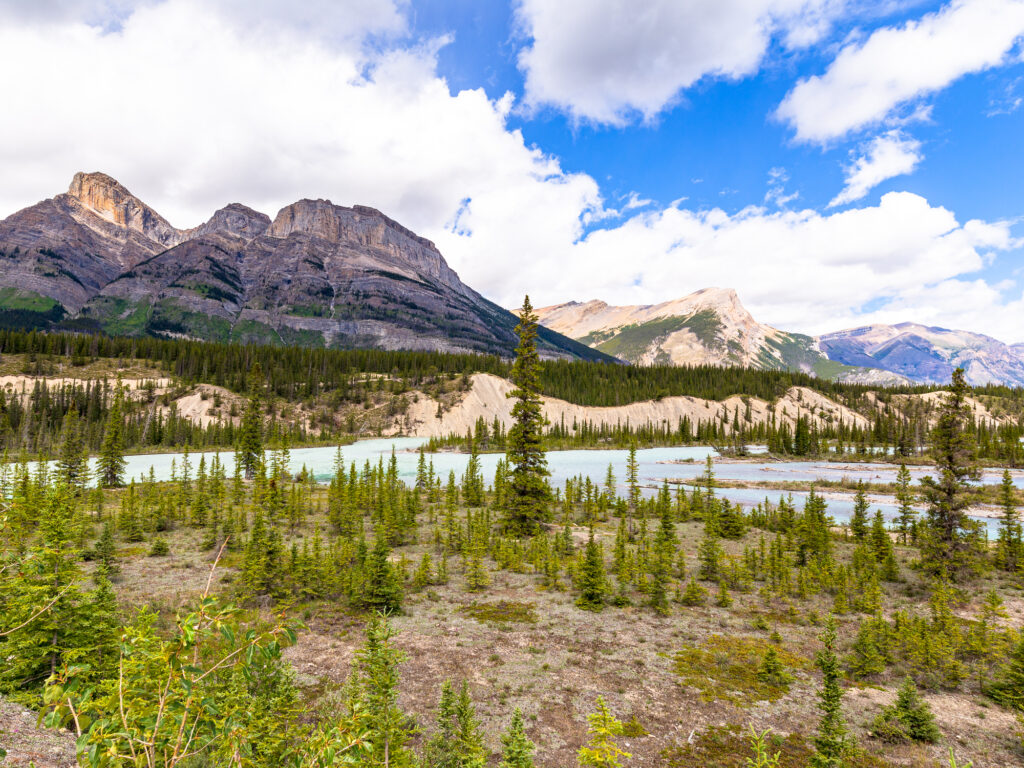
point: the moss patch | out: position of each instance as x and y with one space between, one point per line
729 747
502 612
725 669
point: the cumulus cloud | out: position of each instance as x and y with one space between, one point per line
799 270
891 154
607 60
872 79
192 109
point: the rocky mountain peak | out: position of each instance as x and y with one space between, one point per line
111 201
235 219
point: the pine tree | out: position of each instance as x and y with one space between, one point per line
859 518
1010 548
905 497
603 729
771 672
592 582
908 719
471 750
1008 687
527 498
249 452
110 465
382 586
949 545
105 553
441 750
72 458
831 744
389 728
42 598
517 749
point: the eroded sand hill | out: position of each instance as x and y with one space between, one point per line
488 398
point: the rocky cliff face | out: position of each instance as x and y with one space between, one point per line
318 274
928 354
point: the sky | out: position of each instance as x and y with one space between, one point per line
836 162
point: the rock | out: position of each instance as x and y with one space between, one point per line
319 274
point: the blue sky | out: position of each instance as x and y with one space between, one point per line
838 162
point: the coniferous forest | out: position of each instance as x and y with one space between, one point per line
255 617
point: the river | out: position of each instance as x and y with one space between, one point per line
655 465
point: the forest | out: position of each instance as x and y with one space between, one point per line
259 618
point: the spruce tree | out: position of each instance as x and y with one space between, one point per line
905 498
859 518
382 587
43 600
110 466
72 457
949 545
249 452
528 495
908 719
105 553
441 749
1008 686
831 743
601 749
592 582
1010 548
517 749
389 729
471 750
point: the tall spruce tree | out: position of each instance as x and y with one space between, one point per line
389 728
950 543
249 452
905 498
110 466
72 457
1010 548
831 743
592 582
527 495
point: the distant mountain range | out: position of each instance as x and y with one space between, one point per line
927 354
318 274
712 327
99 259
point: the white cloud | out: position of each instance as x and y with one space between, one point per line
193 110
606 60
872 79
799 270
891 154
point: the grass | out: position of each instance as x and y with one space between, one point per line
118 316
725 669
28 301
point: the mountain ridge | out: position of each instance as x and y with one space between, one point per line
708 327
98 258
711 326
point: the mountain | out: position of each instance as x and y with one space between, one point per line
98 258
927 354
709 327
